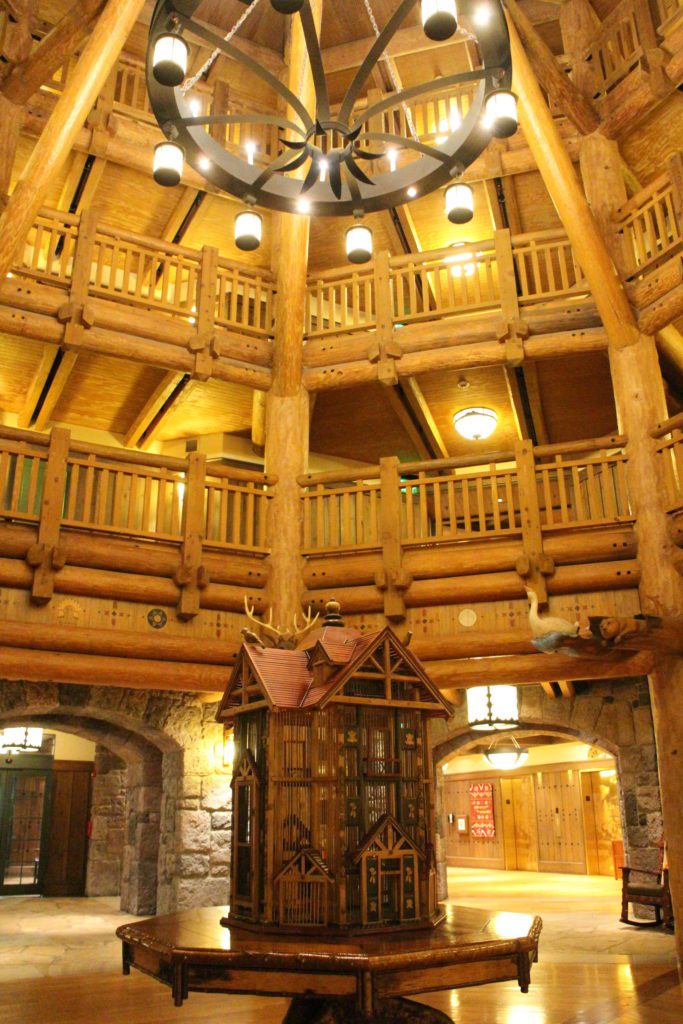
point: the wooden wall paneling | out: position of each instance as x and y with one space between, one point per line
589 824
525 822
508 822
466 850
601 818
67 844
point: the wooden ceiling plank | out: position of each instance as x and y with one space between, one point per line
418 403
516 404
258 420
167 385
179 213
535 402
37 384
54 393
95 174
182 393
73 176
406 421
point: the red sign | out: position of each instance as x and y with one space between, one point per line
482 825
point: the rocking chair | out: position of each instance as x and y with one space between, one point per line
648 894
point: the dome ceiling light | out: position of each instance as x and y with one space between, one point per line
353 160
475 423
490 708
506 755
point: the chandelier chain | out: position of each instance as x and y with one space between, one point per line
209 62
392 73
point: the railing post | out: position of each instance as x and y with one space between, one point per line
47 556
533 566
191 576
674 166
392 579
384 350
203 343
513 330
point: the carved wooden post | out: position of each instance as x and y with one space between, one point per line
384 350
533 566
47 556
57 139
601 171
203 343
640 401
392 579
513 330
192 577
580 25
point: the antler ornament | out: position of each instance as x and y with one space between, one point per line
276 636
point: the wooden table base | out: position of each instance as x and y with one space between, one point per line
345 1011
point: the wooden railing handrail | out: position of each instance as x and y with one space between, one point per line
135 458
666 426
642 198
594 444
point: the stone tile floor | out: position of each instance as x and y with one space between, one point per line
52 937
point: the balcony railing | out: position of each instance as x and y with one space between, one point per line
130 494
624 37
579 485
669 436
650 223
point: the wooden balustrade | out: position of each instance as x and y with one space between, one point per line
651 225
666 10
545 267
669 436
112 491
625 35
148 273
580 485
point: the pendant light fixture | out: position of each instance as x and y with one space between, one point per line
439 19
359 244
459 203
21 739
475 423
248 230
501 113
287 6
492 707
169 60
506 754
168 164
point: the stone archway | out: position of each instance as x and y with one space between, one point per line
178 794
614 715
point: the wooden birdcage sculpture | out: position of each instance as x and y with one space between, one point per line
333 817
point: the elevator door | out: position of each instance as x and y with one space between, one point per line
24 802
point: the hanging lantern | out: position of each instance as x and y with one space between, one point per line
439 18
359 244
248 230
506 755
459 203
501 113
168 164
21 740
287 6
169 61
492 707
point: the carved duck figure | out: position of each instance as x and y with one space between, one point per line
543 625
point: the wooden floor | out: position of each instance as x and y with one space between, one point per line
560 994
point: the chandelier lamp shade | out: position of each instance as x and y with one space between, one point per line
439 19
356 157
21 739
168 163
359 244
491 708
248 230
169 60
459 203
506 754
475 423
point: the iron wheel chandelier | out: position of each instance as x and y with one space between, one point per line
333 162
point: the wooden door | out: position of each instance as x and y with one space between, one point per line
519 823
561 844
67 845
24 814
601 819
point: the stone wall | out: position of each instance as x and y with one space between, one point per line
108 822
615 715
177 799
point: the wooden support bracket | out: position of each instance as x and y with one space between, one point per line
191 576
533 566
48 556
513 334
392 579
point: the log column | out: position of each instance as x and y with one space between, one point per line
75 103
640 401
287 402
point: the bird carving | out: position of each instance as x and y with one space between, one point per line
543 625
250 637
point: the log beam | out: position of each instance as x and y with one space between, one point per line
150 414
75 103
520 670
